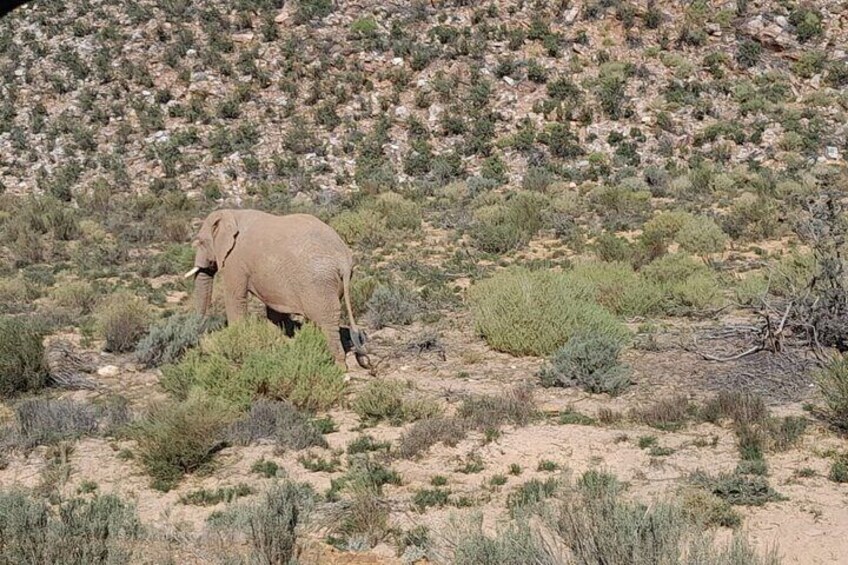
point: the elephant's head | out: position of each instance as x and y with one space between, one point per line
212 244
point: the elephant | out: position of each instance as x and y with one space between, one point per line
294 264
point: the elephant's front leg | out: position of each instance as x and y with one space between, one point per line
235 297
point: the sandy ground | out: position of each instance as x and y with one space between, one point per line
810 527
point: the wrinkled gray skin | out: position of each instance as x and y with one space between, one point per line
294 264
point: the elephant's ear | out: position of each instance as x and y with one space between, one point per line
224 232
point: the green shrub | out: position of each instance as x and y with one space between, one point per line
398 212
832 381
252 357
807 22
169 339
611 248
361 289
738 489
391 400
498 228
660 231
78 297
360 226
178 438
122 320
22 364
700 235
619 289
839 470
535 312
80 531
16 295
531 493
702 507
392 305
688 284
589 360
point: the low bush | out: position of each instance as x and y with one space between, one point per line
601 526
169 339
499 228
79 531
122 320
78 297
688 284
483 413
619 289
700 235
526 312
254 357
206 497
279 421
491 411
22 364
272 524
360 516
531 493
392 305
589 360
398 212
41 421
361 226
702 507
427 433
665 414
737 488
394 401
832 381
178 438
16 295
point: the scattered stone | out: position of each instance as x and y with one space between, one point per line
571 15
831 152
769 34
242 37
108 371
509 80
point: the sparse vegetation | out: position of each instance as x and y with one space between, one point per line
22 366
513 179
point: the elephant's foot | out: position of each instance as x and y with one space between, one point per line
363 360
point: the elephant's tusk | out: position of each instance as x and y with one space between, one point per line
192 272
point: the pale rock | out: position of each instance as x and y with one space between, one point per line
509 80
108 371
434 112
571 15
301 198
782 21
831 152
242 37
713 29
402 112
397 61
191 52
815 81
284 15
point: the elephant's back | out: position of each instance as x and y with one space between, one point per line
301 236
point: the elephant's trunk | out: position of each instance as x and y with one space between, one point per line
202 292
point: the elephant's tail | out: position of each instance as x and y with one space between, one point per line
356 335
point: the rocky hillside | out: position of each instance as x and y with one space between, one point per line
316 97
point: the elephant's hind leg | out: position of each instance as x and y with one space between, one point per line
282 320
